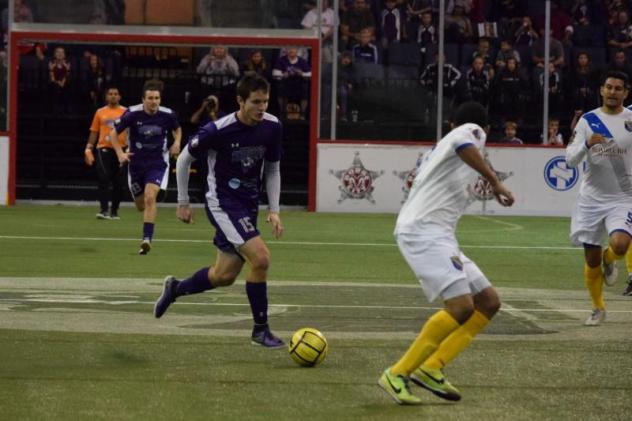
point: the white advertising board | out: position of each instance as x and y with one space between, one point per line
4 170
376 178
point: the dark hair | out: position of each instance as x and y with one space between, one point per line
153 85
470 112
251 83
615 74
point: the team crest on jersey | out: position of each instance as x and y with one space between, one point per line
408 177
481 189
477 134
356 182
195 142
456 262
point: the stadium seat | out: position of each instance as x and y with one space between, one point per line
404 54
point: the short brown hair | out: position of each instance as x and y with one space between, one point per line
153 85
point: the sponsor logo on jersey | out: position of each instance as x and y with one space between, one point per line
356 182
558 175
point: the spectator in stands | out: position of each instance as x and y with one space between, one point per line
458 25
525 34
620 63
509 89
94 79
365 51
209 111
505 53
391 23
511 128
429 78
554 138
560 20
509 14
256 63
22 12
346 80
426 33
582 84
108 12
556 90
292 74
582 11
556 51
416 8
483 51
620 34
478 80
587 35
327 24
355 20
218 68
59 74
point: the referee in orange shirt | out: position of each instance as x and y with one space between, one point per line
108 169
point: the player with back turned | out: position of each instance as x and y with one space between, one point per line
236 147
603 138
425 234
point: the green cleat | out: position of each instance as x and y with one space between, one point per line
397 387
434 380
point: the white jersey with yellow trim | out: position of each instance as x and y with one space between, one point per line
608 172
439 193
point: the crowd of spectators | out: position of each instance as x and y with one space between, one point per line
494 55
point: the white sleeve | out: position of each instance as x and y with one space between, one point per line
577 148
273 184
183 165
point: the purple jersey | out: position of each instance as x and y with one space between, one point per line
235 153
147 134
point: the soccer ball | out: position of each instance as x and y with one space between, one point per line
308 347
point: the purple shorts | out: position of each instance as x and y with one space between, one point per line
138 177
232 227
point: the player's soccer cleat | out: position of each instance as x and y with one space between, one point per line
114 215
610 273
628 289
145 247
261 335
596 317
433 380
103 215
167 297
397 386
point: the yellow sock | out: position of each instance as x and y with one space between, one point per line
458 340
435 330
594 283
628 260
610 256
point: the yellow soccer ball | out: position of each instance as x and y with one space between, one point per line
308 347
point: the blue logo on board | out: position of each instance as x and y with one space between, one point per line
558 175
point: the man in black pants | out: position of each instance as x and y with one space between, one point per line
108 168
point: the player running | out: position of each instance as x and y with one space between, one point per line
236 148
603 138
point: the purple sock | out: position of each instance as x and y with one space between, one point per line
198 282
148 231
258 297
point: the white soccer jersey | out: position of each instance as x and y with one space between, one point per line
439 193
609 165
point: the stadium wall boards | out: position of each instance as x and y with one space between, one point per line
360 177
4 170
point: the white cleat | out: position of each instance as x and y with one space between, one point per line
596 317
145 247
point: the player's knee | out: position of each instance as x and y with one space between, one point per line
490 307
149 201
223 279
261 261
620 247
461 313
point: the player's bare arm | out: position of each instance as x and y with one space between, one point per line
88 155
277 226
472 157
175 148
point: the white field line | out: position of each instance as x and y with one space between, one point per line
293 243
